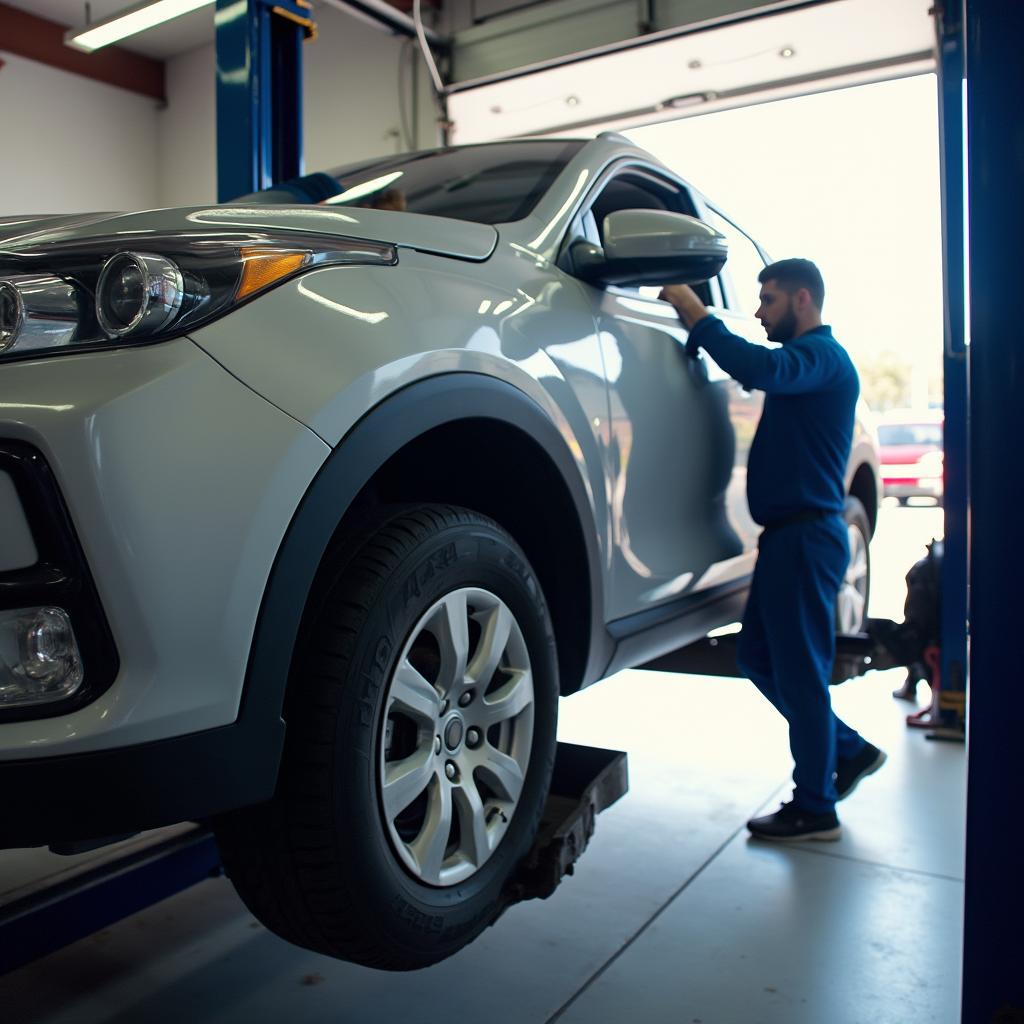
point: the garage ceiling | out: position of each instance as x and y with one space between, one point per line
809 48
164 41
516 71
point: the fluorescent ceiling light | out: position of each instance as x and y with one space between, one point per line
129 22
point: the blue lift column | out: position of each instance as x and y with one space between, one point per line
950 706
259 93
994 893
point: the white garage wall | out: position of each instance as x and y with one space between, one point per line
72 144
89 146
351 99
187 131
350 104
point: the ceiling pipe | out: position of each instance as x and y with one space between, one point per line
382 15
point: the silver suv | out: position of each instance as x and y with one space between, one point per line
311 510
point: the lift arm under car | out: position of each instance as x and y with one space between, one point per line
46 917
856 654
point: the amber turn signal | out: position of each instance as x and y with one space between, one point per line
263 267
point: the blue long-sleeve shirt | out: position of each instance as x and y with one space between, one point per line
799 454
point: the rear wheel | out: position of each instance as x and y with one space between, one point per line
421 734
852 603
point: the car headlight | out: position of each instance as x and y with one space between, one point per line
138 294
36 310
73 296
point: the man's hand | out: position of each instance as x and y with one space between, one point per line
684 298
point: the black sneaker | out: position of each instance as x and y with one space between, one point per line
850 770
790 824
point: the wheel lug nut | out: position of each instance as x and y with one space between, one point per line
466 699
451 771
473 737
437 744
444 707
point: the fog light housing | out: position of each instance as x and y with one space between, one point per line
39 657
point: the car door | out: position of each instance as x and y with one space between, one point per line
739 293
678 508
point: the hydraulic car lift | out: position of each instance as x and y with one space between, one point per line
856 655
35 921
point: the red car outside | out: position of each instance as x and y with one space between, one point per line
910 446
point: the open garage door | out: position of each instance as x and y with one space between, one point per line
767 53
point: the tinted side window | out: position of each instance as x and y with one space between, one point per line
626 193
910 433
639 191
744 263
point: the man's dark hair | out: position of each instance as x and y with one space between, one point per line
791 275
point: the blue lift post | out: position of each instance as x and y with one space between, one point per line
259 93
951 698
994 893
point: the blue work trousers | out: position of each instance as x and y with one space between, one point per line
788 644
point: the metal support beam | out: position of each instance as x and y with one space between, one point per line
64 913
383 15
993 938
950 701
259 93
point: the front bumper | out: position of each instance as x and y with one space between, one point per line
925 487
42 565
179 483
108 793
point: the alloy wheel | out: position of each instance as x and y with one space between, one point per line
457 736
853 592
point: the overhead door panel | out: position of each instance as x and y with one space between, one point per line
771 56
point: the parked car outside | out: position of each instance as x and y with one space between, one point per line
910 448
312 512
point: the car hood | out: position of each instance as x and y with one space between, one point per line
440 235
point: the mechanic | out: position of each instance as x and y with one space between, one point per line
796 492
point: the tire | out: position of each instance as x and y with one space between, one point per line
852 603
355 857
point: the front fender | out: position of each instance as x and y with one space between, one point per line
405 416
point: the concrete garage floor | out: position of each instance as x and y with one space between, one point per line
674 914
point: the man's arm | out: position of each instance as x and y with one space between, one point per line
789 370
690 309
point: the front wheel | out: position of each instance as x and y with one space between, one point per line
852 603
421 735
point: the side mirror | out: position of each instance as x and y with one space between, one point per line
652 247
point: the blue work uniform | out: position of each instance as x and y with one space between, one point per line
796 473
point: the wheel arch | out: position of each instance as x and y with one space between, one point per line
385 459
864 487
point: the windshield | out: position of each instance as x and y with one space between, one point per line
910 433
488 184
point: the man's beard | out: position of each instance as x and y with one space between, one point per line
785 329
